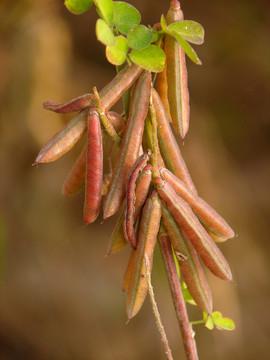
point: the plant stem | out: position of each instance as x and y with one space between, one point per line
178 299
159 324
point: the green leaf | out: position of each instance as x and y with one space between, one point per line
117 53
125 16
139 37
151 58
191 53
104 33
189 30
222 323
187 296
78 7
105 9
209 324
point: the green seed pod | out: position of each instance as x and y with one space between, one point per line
168 145
177 77
76 176
137 283
213 222
191 268
63 141
130 145
193 230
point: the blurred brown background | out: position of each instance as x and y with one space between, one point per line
60 298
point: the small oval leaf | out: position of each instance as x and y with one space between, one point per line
125 16
105 9
190 30
151 58
191 53
139 37
117 53
104 33
78 7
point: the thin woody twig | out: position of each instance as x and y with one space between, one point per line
159 324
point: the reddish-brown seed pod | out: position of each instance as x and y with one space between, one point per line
149 226
63 141
129 221
94 168
74 105
178 299
118 241
178 93
213 222
193 230
168 145
190 265
130 145
112 92
76 176
161 86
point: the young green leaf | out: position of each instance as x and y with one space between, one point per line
117 53
191 53
189 30
222 323
151 58
104 33
78 7
105 9
163 23
125 16
139 37
187 296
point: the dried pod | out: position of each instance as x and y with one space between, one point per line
161 86
168 145
94 168
113 92
118 241
129 222
177 77
148 231
178 299
76 176
191 268
74 105
193 230
63 141
213 222
130 145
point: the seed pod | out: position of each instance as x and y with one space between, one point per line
213 222
118 241
148 231
161 86
76 176
168 145
177 77
129 270
63 141
178 299
193 230
129 221
74 105
130 145
94 168
191 268
112 92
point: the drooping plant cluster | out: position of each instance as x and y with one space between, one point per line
149 184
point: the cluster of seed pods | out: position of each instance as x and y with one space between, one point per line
149 185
